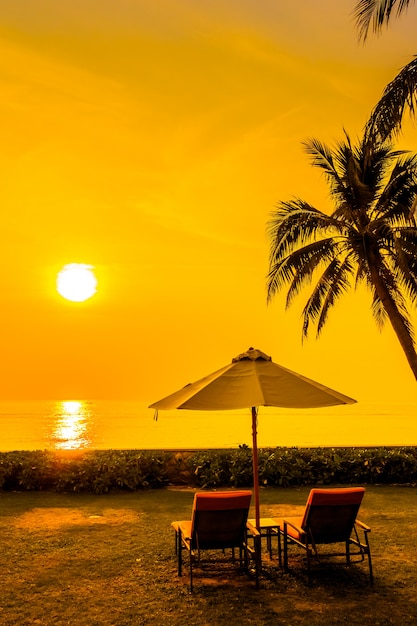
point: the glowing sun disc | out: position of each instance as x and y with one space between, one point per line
76 282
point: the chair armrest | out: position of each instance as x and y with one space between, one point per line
363 526
182 527
253 530
296 528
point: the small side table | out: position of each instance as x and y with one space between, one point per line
269 526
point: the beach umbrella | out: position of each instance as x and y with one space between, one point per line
252 380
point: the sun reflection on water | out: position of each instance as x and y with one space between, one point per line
71 425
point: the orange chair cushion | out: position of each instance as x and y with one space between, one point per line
222 500
332 497
219 501
348 495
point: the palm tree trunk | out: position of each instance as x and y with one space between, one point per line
397 322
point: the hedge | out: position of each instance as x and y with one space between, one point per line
305 466
95 471
100 471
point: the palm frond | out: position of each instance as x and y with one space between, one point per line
362 274
332 283
377 158
404 264
303 263
378 312
397 199
324 158
321 155
340 280
377 12
297 268
386 117
293 224
343 171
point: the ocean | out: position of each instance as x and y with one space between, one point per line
85 424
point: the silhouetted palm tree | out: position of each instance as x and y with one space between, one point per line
401 93
377 12
370 238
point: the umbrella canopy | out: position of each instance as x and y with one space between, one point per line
251 380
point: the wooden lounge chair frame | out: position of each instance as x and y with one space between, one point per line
219 522
330 517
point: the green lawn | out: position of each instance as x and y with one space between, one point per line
109 560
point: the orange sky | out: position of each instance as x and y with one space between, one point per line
152 140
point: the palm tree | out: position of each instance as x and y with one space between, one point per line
370 238
401 93
378 12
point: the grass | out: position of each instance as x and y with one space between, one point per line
89 560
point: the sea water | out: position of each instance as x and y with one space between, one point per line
87 424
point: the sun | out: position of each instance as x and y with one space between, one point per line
76 282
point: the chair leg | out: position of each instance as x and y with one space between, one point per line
368 553
371 573
269 542
279 547
191 570
308 554
364 549
179 552
285 548
258 558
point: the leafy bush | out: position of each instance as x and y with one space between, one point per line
100 471
286 467
95 471
210 468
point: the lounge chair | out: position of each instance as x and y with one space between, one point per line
218 522
329 518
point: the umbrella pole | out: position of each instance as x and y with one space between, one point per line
255 465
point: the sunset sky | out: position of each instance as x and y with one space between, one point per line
152 140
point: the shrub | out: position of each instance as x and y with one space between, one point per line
94 471
210 468
100 471
286 467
